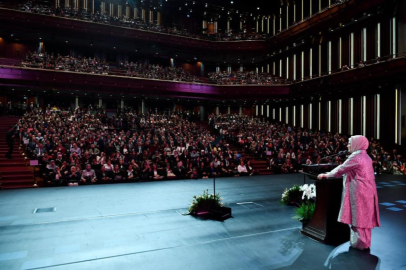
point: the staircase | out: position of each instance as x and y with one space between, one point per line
14 173
259 165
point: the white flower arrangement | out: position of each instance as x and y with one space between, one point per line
309 191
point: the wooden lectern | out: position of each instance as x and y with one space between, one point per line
323 226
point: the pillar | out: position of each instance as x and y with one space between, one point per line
158 18
204 26
267 110
151 16
217 110
267 22
86 5
256 110
67 3
119 11
143 14
262 109
102 7
215 27
241 68
92 6
262 24
111 9
228 25
57 3
228 110
100 103
128 12
257 25
122 103
240 111
76 102
142 106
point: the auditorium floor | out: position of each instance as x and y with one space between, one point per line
141 226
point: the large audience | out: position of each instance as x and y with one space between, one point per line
286 148
85 146
244 77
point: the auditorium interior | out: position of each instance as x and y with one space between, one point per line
190 134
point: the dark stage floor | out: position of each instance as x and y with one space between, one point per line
141 226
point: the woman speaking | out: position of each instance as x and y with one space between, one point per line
359 202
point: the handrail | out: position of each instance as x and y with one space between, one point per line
370 62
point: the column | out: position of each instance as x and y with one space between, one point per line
92 6
122 103
228 110
158 18
119 11
256 110
267 111
57 3
85 5
204 26
262 109
76 102
267 24
215 27
128 12
151 16
111 10
228 25
143 106
143 14
262 24
67 3
217 110
100 102
240 110
273 26
102 7
257 25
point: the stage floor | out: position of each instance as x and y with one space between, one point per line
141 226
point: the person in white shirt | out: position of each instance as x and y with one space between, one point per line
242 169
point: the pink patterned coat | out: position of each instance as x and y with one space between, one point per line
359 202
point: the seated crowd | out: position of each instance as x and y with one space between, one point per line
85 147
143 70
98 66
104 18
65 63
156 72
244 77
286 148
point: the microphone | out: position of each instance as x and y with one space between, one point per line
341 153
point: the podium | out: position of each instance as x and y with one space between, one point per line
323 226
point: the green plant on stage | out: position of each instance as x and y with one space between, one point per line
292 196
305 211
205 202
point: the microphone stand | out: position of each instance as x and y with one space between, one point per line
335 155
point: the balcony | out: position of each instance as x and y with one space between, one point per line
12 76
